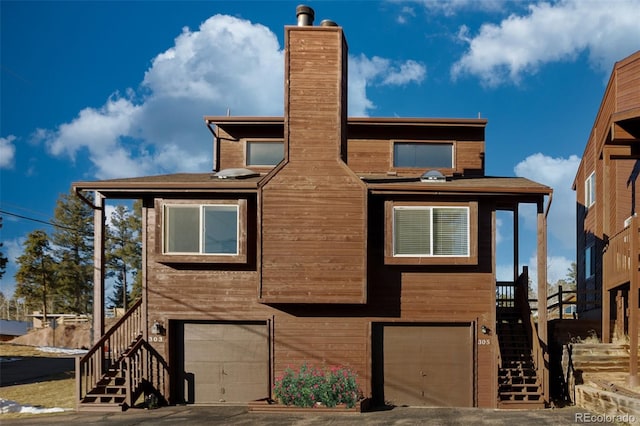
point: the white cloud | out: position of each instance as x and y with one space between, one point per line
228 64
451 7
7 152
406 13
408 72
364 72
551 32
558 173
557 269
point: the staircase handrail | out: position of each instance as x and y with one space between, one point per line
522 304
146 371
108 350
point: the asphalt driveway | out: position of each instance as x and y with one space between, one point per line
32 369
237 415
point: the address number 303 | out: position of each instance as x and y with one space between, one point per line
482 342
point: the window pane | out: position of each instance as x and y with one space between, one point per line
412 232
264 153
451 232
422 155
220 233
182 229
589 262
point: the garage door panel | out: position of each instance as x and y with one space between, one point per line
202 332
226 362
428 365
243 372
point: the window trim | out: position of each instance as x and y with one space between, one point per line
590 190
445 170
163 257
391 258
245 153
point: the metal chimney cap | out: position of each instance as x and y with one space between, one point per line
305 15
328 23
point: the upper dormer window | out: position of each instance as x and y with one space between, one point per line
590 190
264 153
423 155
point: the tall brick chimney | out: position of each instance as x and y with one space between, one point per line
313 207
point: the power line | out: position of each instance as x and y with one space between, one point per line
55 225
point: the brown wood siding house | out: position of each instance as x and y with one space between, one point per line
607 206
332 251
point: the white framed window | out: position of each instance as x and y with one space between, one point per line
423 155
202 229
433 231
260 153
590 190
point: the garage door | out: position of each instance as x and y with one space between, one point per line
428 365
225 362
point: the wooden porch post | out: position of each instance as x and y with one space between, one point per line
542 293
606 314
516 240
98 267
633 305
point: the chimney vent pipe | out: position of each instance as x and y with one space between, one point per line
328 23
305 15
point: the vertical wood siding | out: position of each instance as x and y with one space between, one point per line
628 85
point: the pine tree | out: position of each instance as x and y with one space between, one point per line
118 298
35 279
124 250
73 240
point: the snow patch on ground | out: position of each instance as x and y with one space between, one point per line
8 406
51 349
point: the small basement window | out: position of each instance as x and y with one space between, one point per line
212 231
264 153
423 155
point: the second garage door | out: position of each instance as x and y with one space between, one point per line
225 362
428 365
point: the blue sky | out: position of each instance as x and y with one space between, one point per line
93 90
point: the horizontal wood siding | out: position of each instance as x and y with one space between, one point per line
314 206
376 155
321 341
322 334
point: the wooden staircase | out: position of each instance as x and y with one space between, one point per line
109 394
120 368
518 383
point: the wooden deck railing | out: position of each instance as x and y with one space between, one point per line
617 259
108 351
561 303
145 371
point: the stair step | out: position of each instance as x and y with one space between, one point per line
102 399
108 391
526 404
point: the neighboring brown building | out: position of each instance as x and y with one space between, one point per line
607 207
362 242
